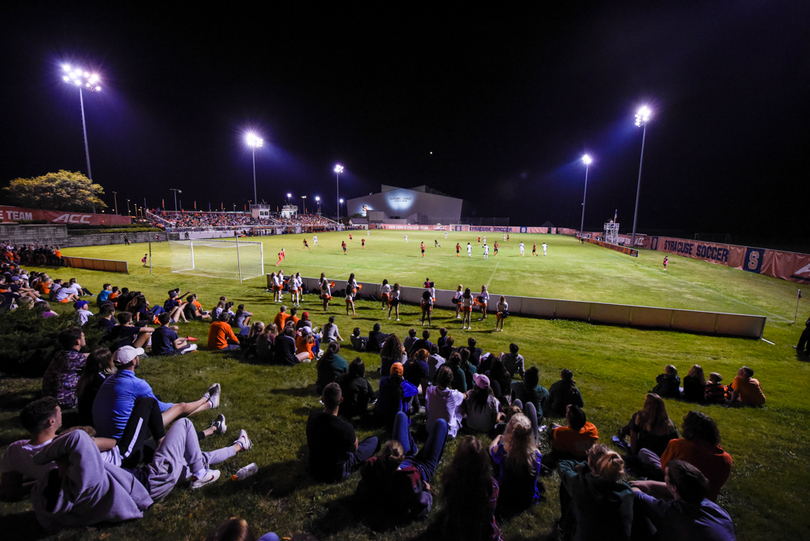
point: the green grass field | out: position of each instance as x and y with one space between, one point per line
614 367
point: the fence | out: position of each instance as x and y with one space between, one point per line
107 265
695 321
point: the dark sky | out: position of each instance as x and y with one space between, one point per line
492 105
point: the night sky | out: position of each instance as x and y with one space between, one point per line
495 106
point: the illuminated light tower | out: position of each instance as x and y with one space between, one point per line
642 118
254 142
176 191
318 200
338 171
84 80
587 161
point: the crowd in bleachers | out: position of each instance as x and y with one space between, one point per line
199 220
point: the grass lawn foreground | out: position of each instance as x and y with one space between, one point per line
614 368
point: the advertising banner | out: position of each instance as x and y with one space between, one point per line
787 265
16 214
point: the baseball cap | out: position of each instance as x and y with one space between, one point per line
79 304
126 354
481 380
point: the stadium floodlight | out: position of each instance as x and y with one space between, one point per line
642 118
338 170
84 80
304 198
587 160
176 191
318 200
254 142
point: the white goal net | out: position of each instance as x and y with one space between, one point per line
218 258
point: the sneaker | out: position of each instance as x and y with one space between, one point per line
213 395
209 477
219 424
244 441
397 319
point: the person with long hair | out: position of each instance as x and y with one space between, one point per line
326 292
330 367
392 352
500 379
459 378
444 402
357 391
98 366
393 302
385 293
427 306
466 309
517 463
457 300
694 384
470 495
351 292
650 429
265 343
595 501
482 407
501 314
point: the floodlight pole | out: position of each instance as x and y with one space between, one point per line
84 129
338 171
587 161
642 118
176 191
115 197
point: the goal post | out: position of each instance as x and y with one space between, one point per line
218 258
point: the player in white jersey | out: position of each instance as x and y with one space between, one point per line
545 247
522 249
315 239
469 250
385 293
486 251
406 238
445 234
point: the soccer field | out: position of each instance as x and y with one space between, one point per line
614 367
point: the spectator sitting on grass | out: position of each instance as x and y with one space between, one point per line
694 384
165 340
105 319
358 342
334 450
700 446
221 336
356 391
330 367
330 330
668 384
715 392
99 366
514 361
192 312
571 442
284 348
482 407
376 338
746 391
650 430
530 390
116 397
690 515
392 352
561 394
82 313
517 466
127 334
62 375
395 395
444 402
410 340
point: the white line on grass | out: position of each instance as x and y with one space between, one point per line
493 273
771 314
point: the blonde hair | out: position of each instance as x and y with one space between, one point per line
519 443
610 467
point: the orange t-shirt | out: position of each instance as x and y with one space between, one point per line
301 346
711 460
749 390
281 320
218 335
577 443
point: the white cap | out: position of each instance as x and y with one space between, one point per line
126 354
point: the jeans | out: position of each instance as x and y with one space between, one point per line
427 459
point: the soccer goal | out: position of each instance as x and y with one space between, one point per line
218 258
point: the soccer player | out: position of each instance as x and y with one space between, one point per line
406 239
343 245
306 246
545 247
485 239
507 237
469 250
143 260
534 249
458 249
496 247
666 260
445 235
486 251
315 240
522 249
280 257
504 237
363 242
350 237
479 241
436 243
422 247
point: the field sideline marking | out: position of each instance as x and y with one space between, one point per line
491 276
771 314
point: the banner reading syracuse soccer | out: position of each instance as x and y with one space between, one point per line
17 214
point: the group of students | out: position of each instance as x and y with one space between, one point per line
130 450
743 391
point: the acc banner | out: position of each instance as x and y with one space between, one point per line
16 214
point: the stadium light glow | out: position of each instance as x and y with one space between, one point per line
254 142
318 201
338 170
642 118
84 80
587 160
